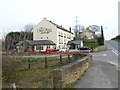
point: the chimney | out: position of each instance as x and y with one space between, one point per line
70 29
45 18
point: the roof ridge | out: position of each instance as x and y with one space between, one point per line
58 26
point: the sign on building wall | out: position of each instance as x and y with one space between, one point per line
43 30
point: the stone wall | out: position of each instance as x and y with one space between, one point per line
68 74
101 48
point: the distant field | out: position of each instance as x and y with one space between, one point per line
118 40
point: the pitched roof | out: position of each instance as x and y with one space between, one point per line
43 42
37 42
60 27
76 42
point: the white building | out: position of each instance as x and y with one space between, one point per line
47 30
87 34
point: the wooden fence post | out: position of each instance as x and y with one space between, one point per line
29 64
13 86
61 59
75 57
45 62
68 58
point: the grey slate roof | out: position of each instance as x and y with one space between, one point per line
60 27
38 42
76 42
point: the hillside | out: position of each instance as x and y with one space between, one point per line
117 38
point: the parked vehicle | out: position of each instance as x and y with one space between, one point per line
50 50
85 48
14 49
64 49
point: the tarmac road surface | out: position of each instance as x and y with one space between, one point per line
103 73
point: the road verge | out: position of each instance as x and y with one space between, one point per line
101 48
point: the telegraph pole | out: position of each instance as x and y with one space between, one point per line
76 20
76 26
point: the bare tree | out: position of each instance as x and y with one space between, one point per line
81 28
28 27
77 29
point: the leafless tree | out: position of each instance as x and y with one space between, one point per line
78 28
28 27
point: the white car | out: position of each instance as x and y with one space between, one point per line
64 49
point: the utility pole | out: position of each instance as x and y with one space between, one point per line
76 26
76 21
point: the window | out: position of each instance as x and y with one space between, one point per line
48 46
39 47
59 41
64 35
59 46
64 41
67 36
59 34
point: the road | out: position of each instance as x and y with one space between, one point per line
114 45
103 73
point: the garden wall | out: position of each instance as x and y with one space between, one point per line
68 74
101 48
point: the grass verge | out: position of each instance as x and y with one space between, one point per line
16 70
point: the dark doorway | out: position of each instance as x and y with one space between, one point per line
72 46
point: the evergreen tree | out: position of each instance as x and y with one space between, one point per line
12 38
102 35
101 39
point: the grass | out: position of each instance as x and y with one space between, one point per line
35 77
118 40
31 59
40 78
88 44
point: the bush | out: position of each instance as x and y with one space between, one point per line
91 43
100 41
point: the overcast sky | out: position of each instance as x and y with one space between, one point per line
14 14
